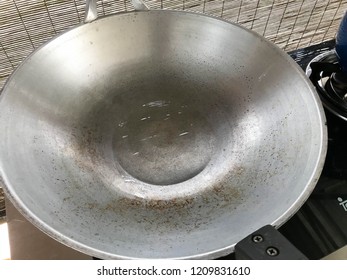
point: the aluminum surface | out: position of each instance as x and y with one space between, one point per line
159 134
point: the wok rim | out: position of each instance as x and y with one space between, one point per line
93 252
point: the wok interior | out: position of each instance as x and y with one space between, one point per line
158 134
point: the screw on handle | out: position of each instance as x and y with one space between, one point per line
267 244
272 251
91 12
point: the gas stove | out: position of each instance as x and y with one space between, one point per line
318 229
320 226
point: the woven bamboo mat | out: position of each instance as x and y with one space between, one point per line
291 24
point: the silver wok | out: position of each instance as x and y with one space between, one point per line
159 134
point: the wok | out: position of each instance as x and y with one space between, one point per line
159 134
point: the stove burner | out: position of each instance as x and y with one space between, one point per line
325 73
331 83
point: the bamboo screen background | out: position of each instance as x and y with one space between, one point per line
291 24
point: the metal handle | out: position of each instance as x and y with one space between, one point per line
139 5
92 12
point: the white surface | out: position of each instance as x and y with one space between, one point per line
170 269
5 253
